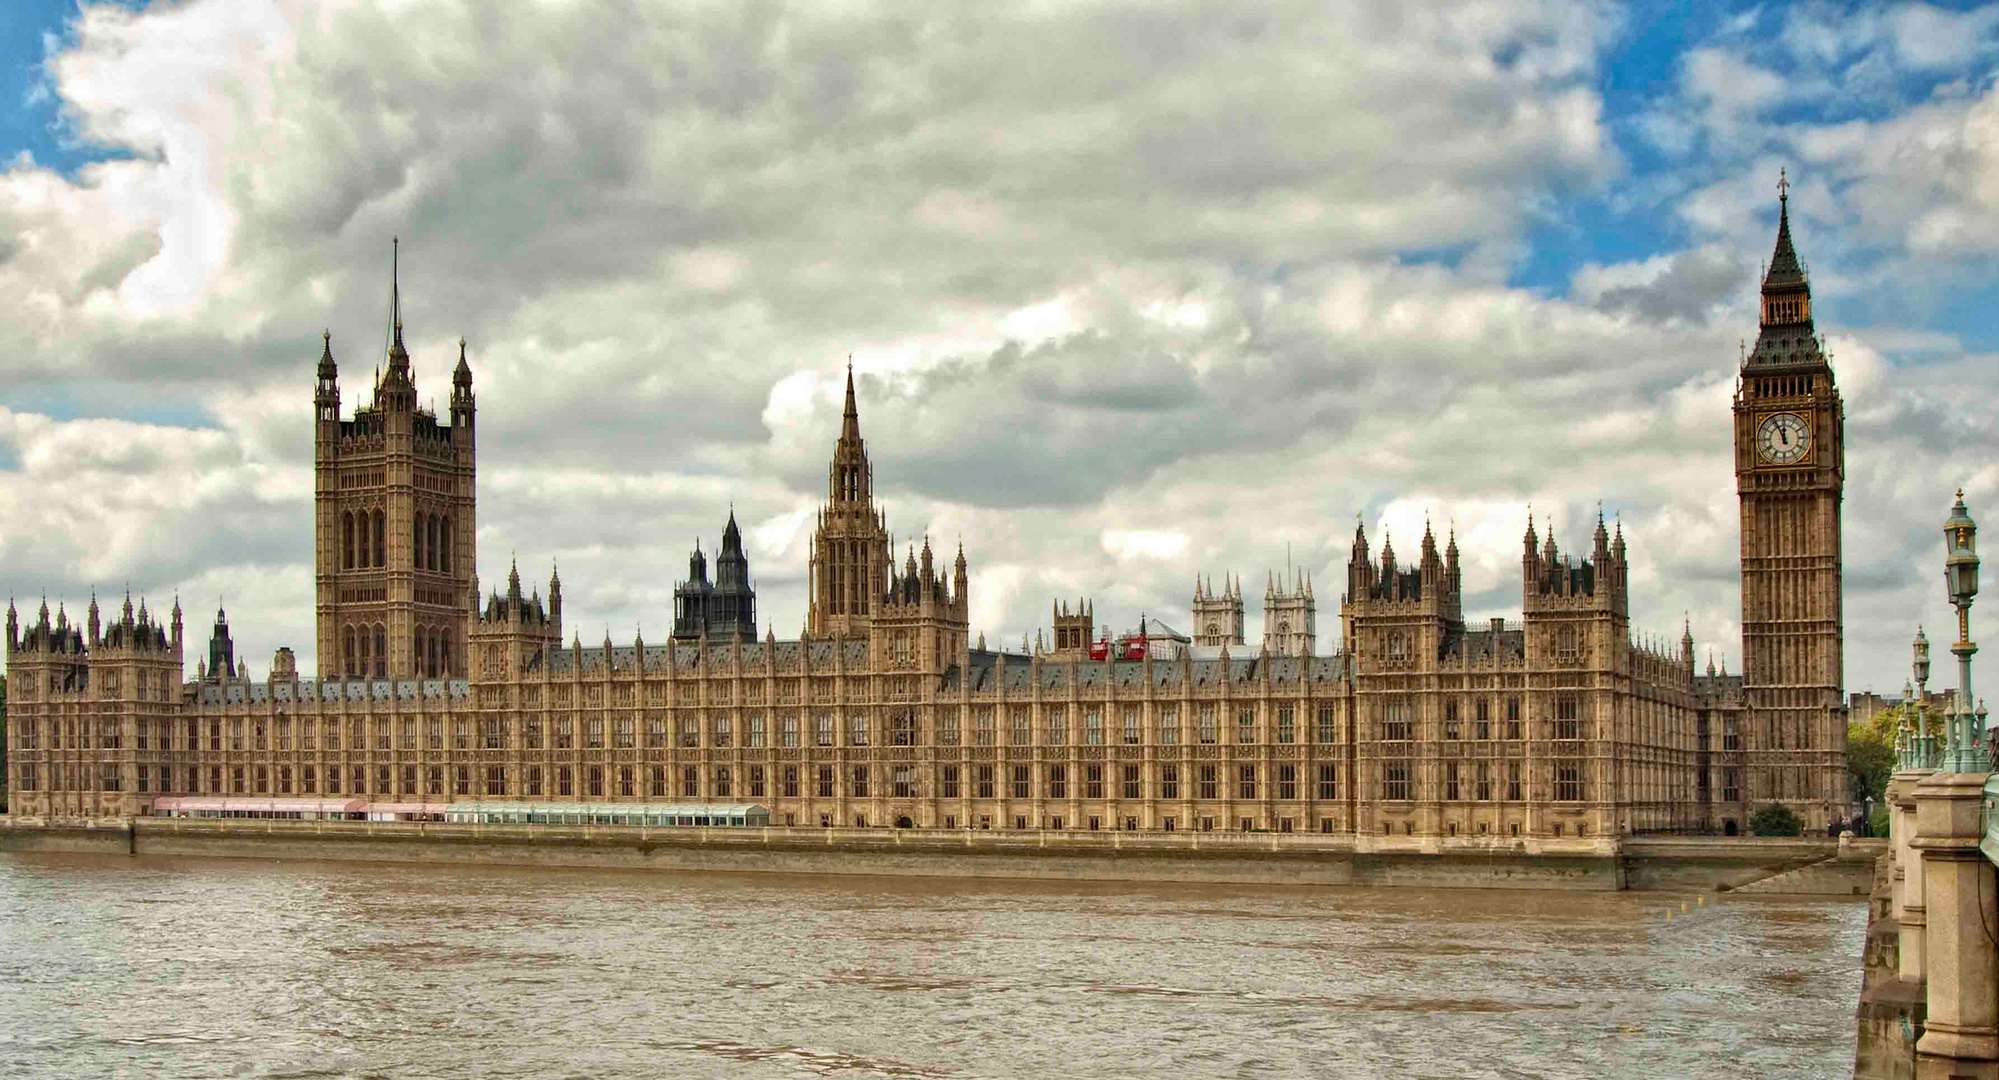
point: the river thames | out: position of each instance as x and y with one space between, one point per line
164 967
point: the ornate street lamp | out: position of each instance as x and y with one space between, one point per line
1960 573
1907 752
1925 744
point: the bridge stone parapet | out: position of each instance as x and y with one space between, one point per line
1929 1005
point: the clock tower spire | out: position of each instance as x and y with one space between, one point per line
1790 470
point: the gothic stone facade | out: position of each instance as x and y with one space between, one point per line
1559 724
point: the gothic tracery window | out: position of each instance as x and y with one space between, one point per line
1398 648
1568 645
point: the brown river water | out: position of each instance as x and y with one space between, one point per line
167 967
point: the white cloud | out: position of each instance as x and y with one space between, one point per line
1134 544
1132 293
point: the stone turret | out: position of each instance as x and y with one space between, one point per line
1394 618
1218 614
395 520
920 620
851 557
1290 616
221 649
516 632
1075 629
724 610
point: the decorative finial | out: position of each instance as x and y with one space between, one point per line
1783 185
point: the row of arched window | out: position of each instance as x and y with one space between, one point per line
433 542
364 650
433 652
364 541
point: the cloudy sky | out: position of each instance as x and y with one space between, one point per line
1133 291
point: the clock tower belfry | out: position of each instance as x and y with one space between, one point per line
1790 470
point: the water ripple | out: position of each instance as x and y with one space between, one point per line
198 968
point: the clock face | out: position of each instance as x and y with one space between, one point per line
1783 439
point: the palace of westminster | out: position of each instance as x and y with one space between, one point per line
886 712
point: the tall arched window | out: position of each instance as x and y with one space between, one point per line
381 650
416 542
347 540
363 654
436 540
422 651
347 658
381 541
444 538
365 544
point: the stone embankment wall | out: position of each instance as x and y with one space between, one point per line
1751 865
1233 858
1890 1017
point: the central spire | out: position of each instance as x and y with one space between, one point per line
1785 270
852 559
399 357
850 419
1786 335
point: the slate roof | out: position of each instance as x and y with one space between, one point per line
257 693
1789 343
1482 646
787 655
1718 686
1089 675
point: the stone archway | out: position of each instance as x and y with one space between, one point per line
904 822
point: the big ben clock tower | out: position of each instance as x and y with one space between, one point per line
1790 468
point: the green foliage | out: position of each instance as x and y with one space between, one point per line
1870 757
1878 824
1775 819
1885 724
